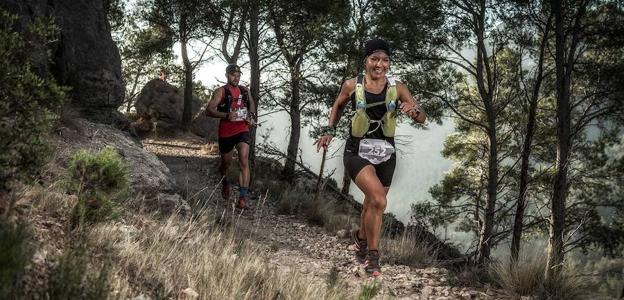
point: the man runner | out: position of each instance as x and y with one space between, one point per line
236 109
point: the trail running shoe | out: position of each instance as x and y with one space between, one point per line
242 204
371 265
361 247
226 190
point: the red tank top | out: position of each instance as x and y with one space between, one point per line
228 128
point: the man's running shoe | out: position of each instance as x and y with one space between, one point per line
360 246
226 190
242 204
371 265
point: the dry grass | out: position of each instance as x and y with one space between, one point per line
407 250
169 257
526 278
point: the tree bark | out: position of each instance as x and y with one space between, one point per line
254 76
295 123
187 113
486 88
526 149
346 182
558 203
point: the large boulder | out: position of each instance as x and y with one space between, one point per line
159 107
84 57
150 179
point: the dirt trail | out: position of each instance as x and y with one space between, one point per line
292 244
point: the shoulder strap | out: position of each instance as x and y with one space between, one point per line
360 99
391 80
391 94
224 106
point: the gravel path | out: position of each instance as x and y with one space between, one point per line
290 243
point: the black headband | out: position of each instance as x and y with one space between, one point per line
375 45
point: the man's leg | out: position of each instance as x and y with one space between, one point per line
243 177
226 161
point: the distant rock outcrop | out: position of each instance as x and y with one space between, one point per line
84 57
159 107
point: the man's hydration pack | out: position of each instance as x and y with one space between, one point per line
224 106
360 123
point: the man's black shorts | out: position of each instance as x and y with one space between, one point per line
385 170
226 144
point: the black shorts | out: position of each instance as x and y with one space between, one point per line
353 163
226 144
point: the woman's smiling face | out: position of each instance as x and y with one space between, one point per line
377 64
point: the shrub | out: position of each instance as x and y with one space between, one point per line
369 290
521 278
73 279
15 253
100 180
290 201
29 101
526 278
407 250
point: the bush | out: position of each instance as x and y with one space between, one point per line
29 101
100 180
407 250
15 253
73 279
369 290
521 278
526 278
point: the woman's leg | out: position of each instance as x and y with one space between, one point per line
374 204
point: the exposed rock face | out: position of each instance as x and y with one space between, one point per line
85 57
150 179
159 107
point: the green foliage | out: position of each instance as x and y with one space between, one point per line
369 290
29 102
75 278
101 181
15 252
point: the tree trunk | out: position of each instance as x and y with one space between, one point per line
254 76
346 182
295 123
486 86
134 86
558 203
526 150
187 113
485 236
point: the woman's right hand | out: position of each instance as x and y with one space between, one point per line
323 141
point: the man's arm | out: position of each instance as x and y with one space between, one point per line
211 110
409 105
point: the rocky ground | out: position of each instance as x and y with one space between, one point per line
292 244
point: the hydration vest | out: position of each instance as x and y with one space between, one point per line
224 106
360 122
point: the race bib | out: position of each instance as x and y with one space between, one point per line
240 114
376 151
